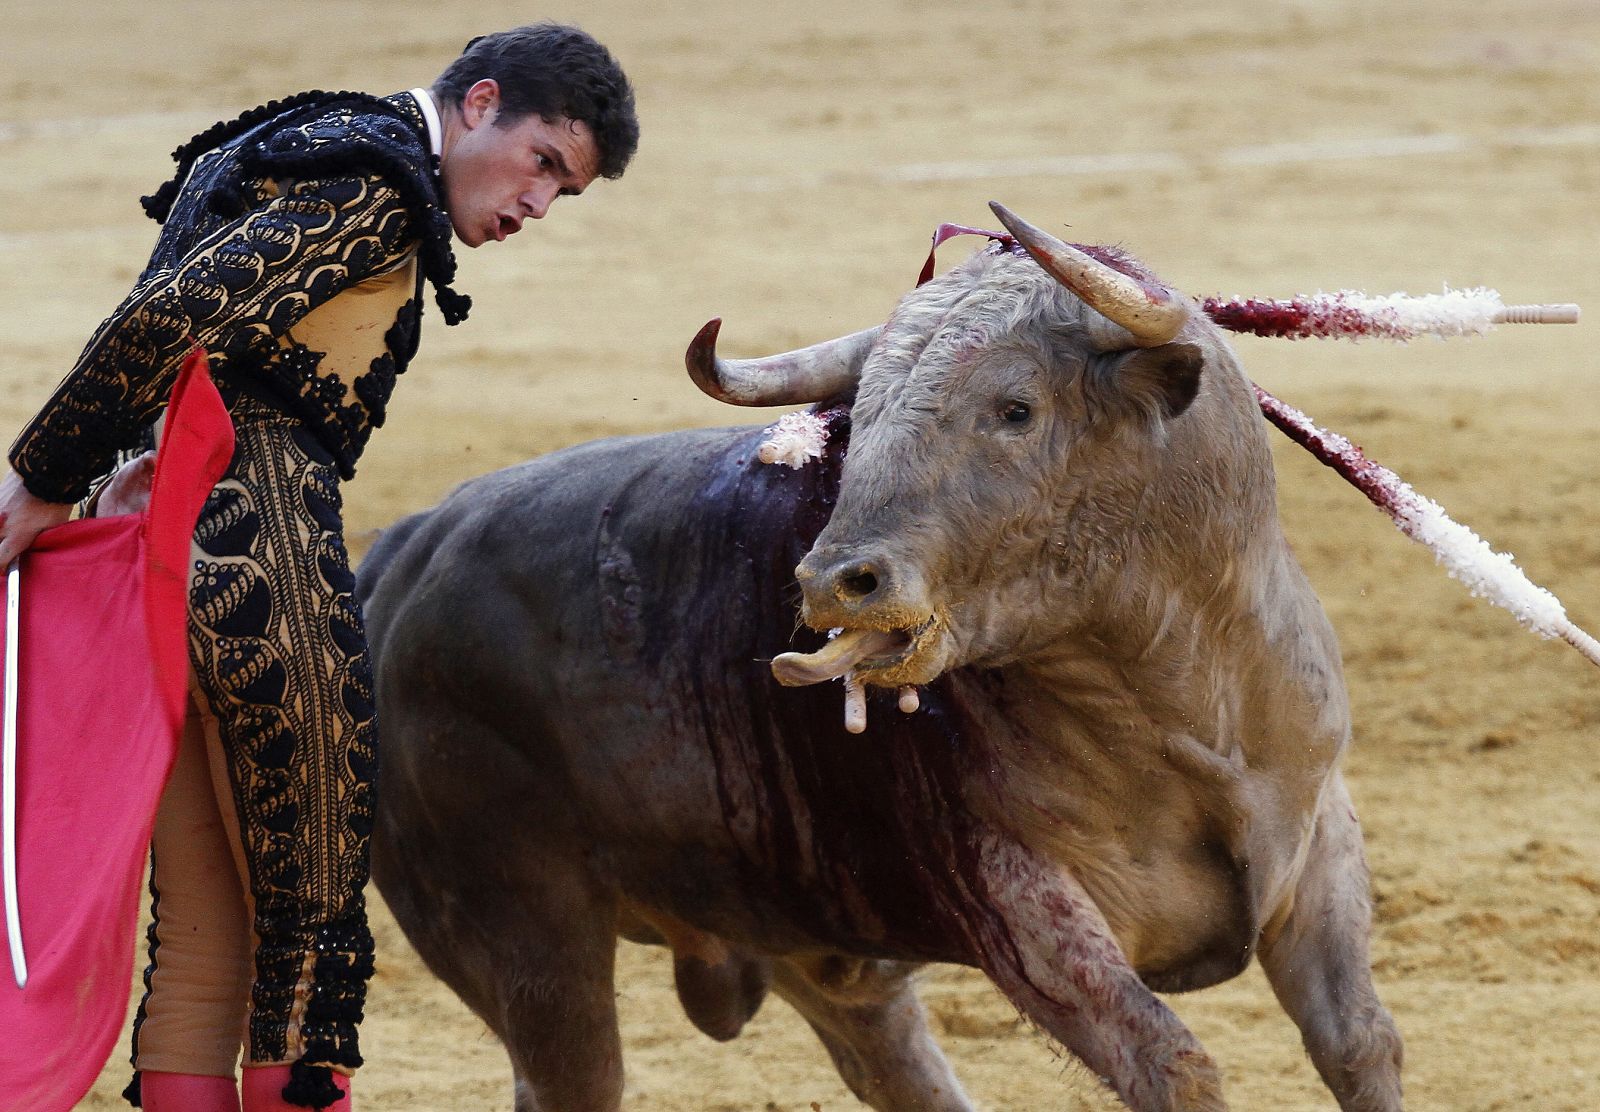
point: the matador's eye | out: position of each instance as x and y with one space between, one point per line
1016 412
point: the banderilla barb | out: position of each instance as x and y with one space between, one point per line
1352 315
1484 572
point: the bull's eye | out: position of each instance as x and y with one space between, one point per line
1016 412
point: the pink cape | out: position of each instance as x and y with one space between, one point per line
103 673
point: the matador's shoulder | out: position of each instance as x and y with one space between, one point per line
331 135
355 135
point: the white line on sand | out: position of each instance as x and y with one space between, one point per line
180 124
1270 154
1056 166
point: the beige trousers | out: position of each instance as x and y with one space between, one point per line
199 981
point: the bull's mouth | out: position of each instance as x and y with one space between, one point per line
878 656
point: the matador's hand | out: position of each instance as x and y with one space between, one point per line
23 517
128 491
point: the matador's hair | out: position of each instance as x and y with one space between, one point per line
556 71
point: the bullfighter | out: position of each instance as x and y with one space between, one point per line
296 243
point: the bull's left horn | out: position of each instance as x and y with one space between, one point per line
1151 315
810 374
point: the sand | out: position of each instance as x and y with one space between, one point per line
792 169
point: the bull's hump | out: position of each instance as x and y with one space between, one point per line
694 545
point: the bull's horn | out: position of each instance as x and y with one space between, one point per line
1153 316
808 375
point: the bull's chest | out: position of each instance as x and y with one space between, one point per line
1184 868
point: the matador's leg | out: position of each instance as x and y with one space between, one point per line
191 1018
278 645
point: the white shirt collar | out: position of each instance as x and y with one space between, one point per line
430 112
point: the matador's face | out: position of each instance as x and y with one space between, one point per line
498 174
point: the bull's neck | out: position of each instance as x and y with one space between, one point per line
1182 652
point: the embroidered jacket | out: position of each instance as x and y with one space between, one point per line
295 243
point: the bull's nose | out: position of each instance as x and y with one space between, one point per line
846 585
856 583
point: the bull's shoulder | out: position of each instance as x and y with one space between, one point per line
680 521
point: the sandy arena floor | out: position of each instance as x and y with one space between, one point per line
792 169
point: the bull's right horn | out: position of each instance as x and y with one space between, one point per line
1151 316
810 374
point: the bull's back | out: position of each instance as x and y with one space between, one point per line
562 580
588 568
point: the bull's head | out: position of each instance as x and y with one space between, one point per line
1018 452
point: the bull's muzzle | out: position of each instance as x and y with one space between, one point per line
855 589
888 632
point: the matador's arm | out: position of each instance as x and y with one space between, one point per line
241 287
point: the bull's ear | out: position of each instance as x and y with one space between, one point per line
1162 379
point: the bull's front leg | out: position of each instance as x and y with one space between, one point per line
1315 956
1046 945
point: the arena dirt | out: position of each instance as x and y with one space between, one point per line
792 169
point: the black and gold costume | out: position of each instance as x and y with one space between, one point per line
290 687
326 193
295 244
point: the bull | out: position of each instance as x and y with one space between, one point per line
1049 506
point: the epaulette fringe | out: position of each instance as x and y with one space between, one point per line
158 205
